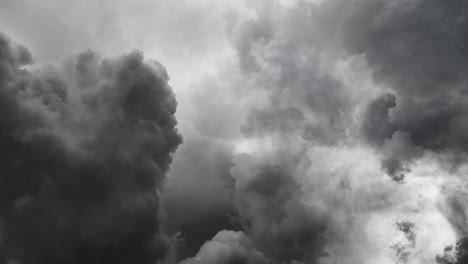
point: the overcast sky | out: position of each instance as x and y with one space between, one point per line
227 131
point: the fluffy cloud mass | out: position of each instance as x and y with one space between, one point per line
358 152
332 132
84 147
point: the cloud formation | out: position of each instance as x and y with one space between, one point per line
418 49
348 81
84 148
334 135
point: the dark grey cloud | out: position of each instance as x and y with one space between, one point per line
302 184
399 152
419 50
268 203
84 148
377 125
417 46
456 254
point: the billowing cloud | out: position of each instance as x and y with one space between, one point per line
332 133
419 50
84 148
354 93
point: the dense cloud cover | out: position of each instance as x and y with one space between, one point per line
419 49
357 90
334 134
84 148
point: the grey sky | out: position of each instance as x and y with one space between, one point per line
314 131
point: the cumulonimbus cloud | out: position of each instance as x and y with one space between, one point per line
352 148
84 148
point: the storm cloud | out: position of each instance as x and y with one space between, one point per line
350 80
419 50
324 132
84 148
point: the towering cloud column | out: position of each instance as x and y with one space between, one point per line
84 146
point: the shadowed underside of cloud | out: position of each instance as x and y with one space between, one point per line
84 146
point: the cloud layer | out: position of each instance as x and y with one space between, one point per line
333 133
359 131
